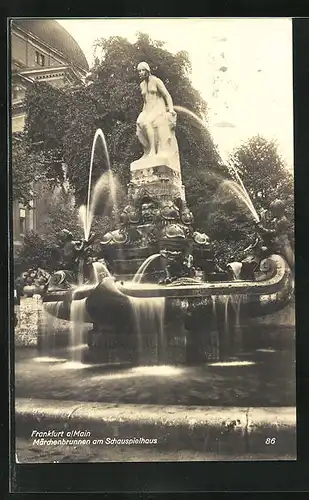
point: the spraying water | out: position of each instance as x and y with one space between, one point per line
243 196
82 214
239 188
80 272
190 113
86 213
142 269
100 271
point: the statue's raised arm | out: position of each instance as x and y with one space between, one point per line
157 121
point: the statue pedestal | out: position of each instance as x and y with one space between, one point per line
151 161
158 176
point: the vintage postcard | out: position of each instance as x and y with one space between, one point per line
153 239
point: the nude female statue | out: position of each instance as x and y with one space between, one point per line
156 123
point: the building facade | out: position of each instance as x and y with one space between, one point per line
41 51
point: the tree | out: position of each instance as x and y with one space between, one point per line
60 124
261 168
36 251
59 211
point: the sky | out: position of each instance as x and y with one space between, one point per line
242 68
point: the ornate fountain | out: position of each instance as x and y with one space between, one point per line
154 293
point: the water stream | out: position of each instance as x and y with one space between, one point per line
237 187
78 326
106 182
236 301
100 271
142 269
49 328
214 334
148 316
242 196
91 203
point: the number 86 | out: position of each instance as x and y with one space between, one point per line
270 441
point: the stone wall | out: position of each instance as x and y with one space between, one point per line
33 322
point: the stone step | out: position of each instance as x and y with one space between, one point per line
208 429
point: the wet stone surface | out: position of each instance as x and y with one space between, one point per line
265 377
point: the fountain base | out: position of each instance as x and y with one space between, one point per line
108 346
188 321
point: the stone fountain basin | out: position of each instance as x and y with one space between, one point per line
277 274
276 277
109 299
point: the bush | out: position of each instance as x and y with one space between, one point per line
37 251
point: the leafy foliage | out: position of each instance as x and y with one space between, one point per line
60 212
27 167
37 251
259 163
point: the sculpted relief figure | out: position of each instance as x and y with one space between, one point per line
157 121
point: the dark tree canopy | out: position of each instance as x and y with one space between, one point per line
259 163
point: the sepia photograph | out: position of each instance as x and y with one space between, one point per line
152 209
